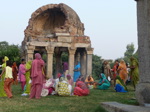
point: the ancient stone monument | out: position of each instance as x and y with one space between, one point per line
54 29
143 17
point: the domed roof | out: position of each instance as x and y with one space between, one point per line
54 17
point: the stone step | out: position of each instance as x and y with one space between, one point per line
118 107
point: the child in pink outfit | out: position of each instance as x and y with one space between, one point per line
22 72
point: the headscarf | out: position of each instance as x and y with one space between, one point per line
58 75
78 66
38 56
121 81
36 62
69 75
132 59
103 77
14 64
122 64
6 58
28 64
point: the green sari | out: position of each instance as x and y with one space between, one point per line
2 92
27 75
135 71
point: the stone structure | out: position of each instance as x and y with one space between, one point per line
56 28
143 16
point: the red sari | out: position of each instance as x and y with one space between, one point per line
81 89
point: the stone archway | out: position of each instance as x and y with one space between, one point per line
53 27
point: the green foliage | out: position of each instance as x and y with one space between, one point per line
96 65
129 52
64 57
12 51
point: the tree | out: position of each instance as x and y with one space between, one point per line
12 51
96 65
129 52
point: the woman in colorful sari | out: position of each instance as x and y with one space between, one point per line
27 76
76 72
89 81
2 92
134 66
37 77
123 71
15 72
103 83
120 86
81 88
63 88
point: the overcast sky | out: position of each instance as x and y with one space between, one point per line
111 24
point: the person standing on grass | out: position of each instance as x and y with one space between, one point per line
27 76
122 69
7 72
76 71
134 66
107 70
2 92
37 77
114 70
15 72
22 72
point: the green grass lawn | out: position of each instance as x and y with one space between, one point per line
90 103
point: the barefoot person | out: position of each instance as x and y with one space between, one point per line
37 77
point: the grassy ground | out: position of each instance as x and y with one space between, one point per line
89 103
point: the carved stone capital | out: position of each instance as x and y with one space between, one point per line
49 49
30 47
89 50
72 50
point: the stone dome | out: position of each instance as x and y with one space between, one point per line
54 18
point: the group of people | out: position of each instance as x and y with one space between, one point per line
121 73
35 83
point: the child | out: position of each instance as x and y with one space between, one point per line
22 71
8 79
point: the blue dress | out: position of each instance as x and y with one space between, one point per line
76 73
119 88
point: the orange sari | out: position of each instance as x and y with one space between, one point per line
123 71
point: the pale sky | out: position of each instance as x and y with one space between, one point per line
111 24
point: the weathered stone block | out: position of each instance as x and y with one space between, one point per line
142 93
64 39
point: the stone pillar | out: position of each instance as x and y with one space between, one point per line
89 61
29 53
71 60
50 52
143 18
58 60
83 63
77 57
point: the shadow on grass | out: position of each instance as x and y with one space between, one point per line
100 109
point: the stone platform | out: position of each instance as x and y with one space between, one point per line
118 107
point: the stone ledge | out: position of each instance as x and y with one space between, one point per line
118 107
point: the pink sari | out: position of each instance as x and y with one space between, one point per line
81 89
37 76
